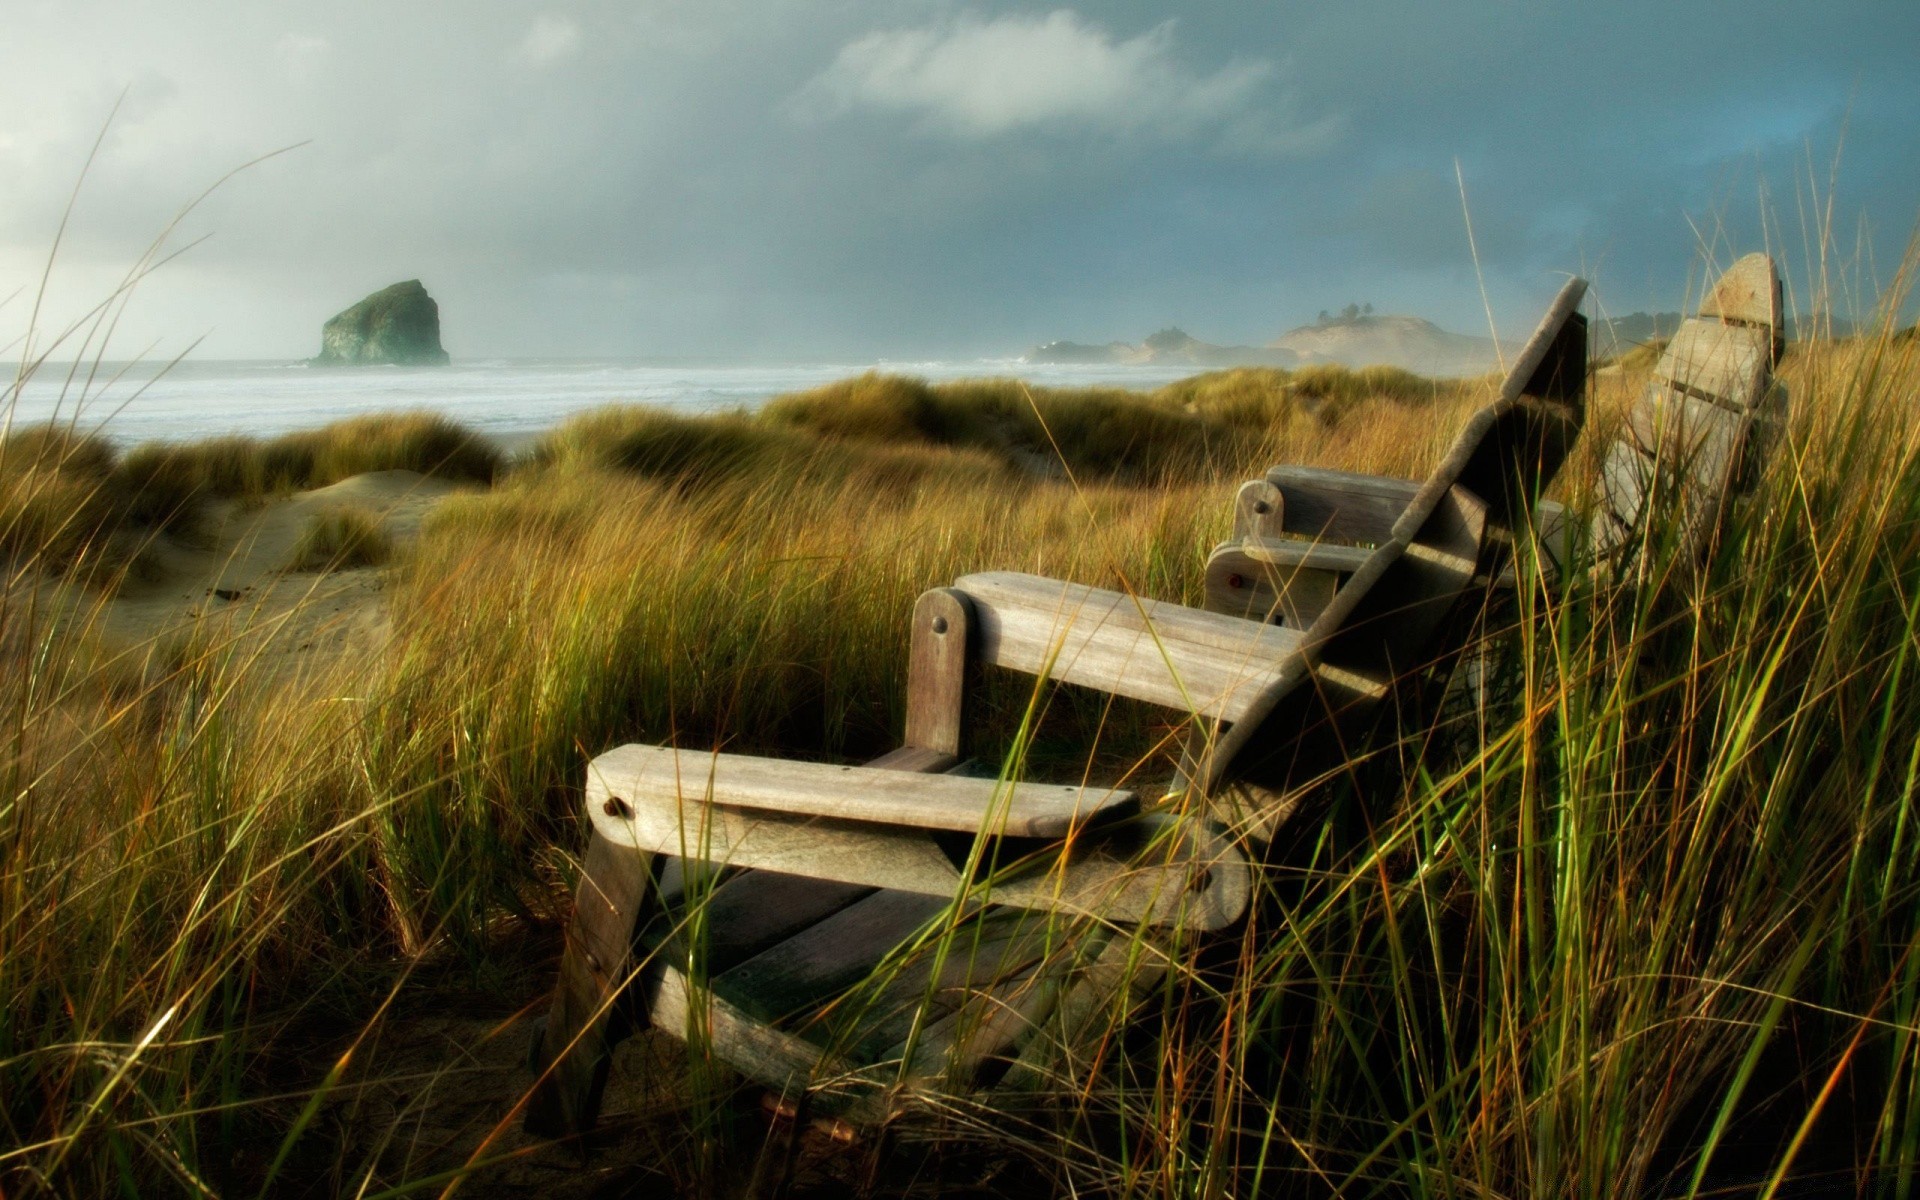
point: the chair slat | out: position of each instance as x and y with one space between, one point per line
1726 363
1181 658
827 958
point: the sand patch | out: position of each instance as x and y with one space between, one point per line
229 586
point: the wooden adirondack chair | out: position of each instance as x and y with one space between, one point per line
1706 419
837 932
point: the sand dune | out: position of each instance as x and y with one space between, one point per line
231 586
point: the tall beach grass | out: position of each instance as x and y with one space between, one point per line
1640 920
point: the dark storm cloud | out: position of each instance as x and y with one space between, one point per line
857 178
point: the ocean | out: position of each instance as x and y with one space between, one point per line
509 399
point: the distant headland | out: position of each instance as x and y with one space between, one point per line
1354 338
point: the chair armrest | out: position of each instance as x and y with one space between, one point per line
1309 555
663 778
1158 868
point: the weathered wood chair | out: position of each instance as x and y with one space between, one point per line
837 932
1707 418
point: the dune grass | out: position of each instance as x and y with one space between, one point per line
253 467
1642 920
1179 433
338 538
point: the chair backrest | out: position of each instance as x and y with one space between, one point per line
1711 409
1457 528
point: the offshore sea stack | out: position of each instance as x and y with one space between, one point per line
398 325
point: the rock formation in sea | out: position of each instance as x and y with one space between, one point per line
398 325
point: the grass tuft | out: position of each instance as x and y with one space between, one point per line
339 538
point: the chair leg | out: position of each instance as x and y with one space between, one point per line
573 1050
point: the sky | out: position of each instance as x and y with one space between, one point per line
842 179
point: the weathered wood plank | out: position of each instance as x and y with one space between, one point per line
988 1020
1182 658
745 914
1341 505
1313 556
1748 292
995 948
779 1060
913 758
1258 510
612 893
1239 586
1150 869
827 958
668 780
1119 974
1725 363
1626 481
1686 434
937 670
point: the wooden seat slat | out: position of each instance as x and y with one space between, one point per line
793 977
1691 434
1000 944
748 912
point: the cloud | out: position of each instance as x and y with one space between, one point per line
979 79
550 40
302 54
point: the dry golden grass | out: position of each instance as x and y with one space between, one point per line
1668 873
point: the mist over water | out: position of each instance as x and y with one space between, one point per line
504 398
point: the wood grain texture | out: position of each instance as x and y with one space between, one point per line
995 948
1686 435
1118 976
781 1061
1748 292
1149 869
913 758
743 915
1340 505
820 962
1314 556
1626 480
1187 659
937 670
1240 586
1728 364
1258 510
663 781
612 893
